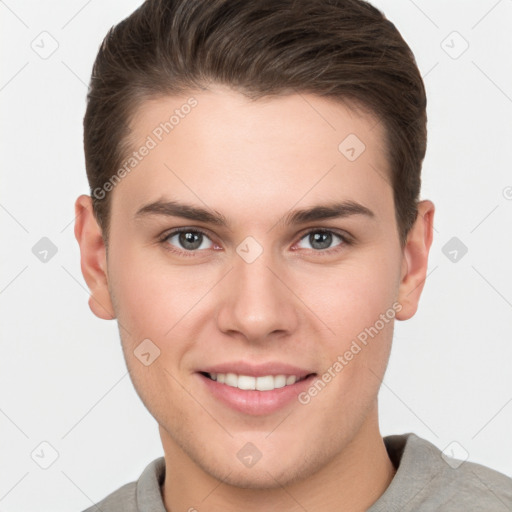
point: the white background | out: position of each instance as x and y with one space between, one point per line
62 374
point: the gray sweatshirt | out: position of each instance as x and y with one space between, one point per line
425 481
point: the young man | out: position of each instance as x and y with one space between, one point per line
254 226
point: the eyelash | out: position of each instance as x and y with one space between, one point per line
345 240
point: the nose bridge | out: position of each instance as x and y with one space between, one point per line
256 279
256 302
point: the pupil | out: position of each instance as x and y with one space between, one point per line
323 239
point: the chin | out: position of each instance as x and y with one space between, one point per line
264 478
274 473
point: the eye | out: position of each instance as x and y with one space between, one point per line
322 239
186 240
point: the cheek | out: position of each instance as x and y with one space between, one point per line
352 297
356 302
150 300
355 357
151 297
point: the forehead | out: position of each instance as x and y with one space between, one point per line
218 146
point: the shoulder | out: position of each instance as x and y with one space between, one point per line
124 499
472 486
428 479
144 494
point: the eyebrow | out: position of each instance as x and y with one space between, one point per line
316 213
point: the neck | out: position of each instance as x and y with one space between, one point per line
351 481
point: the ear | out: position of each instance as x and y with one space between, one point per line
415 260
93 259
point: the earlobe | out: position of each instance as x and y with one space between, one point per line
415 260
93 260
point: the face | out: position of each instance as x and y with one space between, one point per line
256 239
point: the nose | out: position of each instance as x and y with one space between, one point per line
256 300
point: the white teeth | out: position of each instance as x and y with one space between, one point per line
231 380
280 381
265 383
246 382
291 380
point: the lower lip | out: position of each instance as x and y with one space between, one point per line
256 402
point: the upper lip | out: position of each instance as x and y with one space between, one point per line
257 370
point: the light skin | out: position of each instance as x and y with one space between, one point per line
298 302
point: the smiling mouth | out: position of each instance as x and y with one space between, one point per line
261 383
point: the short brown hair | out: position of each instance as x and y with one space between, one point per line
342 49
